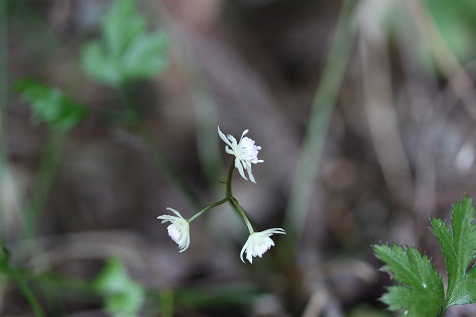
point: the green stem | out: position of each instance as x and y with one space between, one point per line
229 197
21 283
228 180
3 99
224 200
27 292
233 201
322 107
237 206
44 180
166 299
218 203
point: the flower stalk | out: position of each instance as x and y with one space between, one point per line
228 180
215 204
237 207
246 153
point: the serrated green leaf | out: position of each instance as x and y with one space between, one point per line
458 246
127 52
421 293
50 105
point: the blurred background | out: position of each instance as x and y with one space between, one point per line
365 112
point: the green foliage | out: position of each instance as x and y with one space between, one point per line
4 258
458 246
456 23
124 297
421 291
7 270
128 51
50 105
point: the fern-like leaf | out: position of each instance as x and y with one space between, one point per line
420 291
458 245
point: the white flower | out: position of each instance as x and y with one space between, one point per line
245 151
258 243
179 229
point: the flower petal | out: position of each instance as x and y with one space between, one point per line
250 175
272 231
166 218
244 248
239 166
229 151
174 211
249 257
223 137
243 134
234 144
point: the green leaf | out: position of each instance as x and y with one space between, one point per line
118 34
50 105
127 52
4 257
421 293
99 66
458 246
124 297
421 290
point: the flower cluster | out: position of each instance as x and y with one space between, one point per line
246 153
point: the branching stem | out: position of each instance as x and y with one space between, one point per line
229 197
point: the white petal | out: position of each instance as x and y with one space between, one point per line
233 143
229 151
243 134
223 137
274 231
245 247
184 246
174 211
240 168
252 178
166 218
249 257
270 232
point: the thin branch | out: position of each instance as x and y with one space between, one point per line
322 108
378 103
